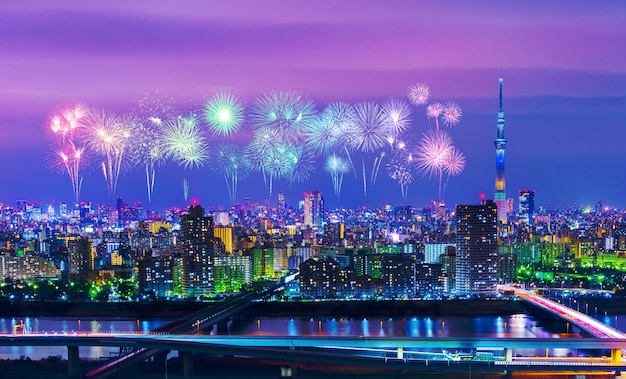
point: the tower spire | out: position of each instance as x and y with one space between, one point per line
500 111
500 143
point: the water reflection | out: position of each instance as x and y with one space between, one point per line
53 325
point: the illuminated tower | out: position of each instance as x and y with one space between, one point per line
313 208
500 142
197 251
476 249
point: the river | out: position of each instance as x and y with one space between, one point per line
516 325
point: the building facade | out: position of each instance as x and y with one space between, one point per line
476 249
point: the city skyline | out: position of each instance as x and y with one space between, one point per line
564 98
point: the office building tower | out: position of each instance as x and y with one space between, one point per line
476 249
197 252
526 205
500 143
313 208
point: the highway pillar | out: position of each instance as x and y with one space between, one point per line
508 354
400 353
187 363
616 356
294 364
73 361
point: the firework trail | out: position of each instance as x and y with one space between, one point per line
453 165
65 127
432 153
418 94
109 136
434 110
228 160
336 166
148 151
397 118
257 153
183 142
398 170
224 114
152 109
367 133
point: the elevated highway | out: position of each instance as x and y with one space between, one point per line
583 321
377 352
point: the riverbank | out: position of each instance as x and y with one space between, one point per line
175 309
390 308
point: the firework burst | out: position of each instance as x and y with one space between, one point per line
183 142
398 170
228 160
286 112
65 127
397 118
336 166
224 114
418 94
451 114
109 137
368 134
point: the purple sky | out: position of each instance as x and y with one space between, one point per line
563 63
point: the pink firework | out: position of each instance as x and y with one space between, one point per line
451 114
454 162
432 152
434 110
418 94
66 122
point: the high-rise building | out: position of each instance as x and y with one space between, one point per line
313 208
476 249
526 205
156 275
232 272
197 251
225 233
500 143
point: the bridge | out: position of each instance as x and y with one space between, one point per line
583 321
190 324
412 354
406 353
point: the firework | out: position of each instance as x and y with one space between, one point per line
336 166
399 170
287 112
109 137
451 114
300 163
397 118
367 133
418 94
454 162
228 160
147 150
224 113
434 110
156 107
183 142
65 127
432 153
368 130
326 130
